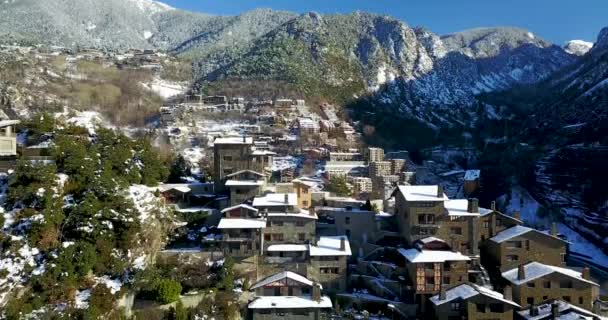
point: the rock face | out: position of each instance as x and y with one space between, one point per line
578 47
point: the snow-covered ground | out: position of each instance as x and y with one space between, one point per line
166 89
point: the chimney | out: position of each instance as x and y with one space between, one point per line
508 293
533 310
286 198
493 205
442 294
312 211
517 215
554 229
473 205
555 310
342 244
439 191
244 139
521 272
586 273
316 292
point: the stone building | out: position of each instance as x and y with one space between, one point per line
555 309
471 181
418 209
288 295
520 245
535 283
471 301
242 231
244 185
398 166
374 154
358 225
328 262
361 184
379 168
230 155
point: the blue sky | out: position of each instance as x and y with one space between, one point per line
554 20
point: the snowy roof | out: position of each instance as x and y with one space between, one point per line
244 206
287 247
244 183
472 175
275 200
431 239
566 311
263 153
459 208
330 246
180 188
230 223
245 171
466 291
302 214
305 182
535 270
288 302
233 140
280 276
516 231
421 193
423 256
6 123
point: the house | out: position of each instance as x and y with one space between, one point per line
244 185
431 265
520 245
303 189
230 155
328 262
471 301
491 222
242 231
358 225
288 295
555 309
418 209
471 181
8 139
534 283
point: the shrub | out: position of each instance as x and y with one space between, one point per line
167 290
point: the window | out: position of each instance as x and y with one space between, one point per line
347 231
455 306
346 220
547 284
481 308
277 237
456 230
446 280
301 236
528 245
447 266
300 312
581 300
304 191
277 223
566 298
227 158
563 257
531 284
299 223
429 280
267 237
429 266
426 219
486 224
498 222
565 284
530 300
304 203
512 257
497 308
545 298
513 244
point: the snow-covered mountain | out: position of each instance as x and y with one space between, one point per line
578 47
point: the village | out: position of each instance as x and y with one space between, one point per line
323 225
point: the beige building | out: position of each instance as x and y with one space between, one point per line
361 184
535 283
398 166
303 189
379 168
374 154
8 138
520 245
471 301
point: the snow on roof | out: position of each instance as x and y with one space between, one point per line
305 182
280 276
233 140
287 247
289 302
516 231
421 193
459 208
230 223
535 270
566 311
466 291
275 200
302 214
244 183
472 175
330 246
6 123
242 205
263 153
431 239
245 171
423 256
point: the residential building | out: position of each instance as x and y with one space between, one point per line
418 210
345 168
471 301
383 186
345 156
555 309
374 154
241 227
471 181
520 245
230 155
288 295
535 283
328 262
379 168
398 166
8 138
303 189
361 184
307 126
358 225
244 185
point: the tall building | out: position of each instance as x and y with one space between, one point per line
379 168
374 154
235 154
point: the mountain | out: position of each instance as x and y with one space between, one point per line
578 47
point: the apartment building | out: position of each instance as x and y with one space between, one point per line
398 166
471 301
328 262
230 155
520 245
244 185
242 228
374 154
379 168
288 295
361 184
535 283
418 209
303 190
